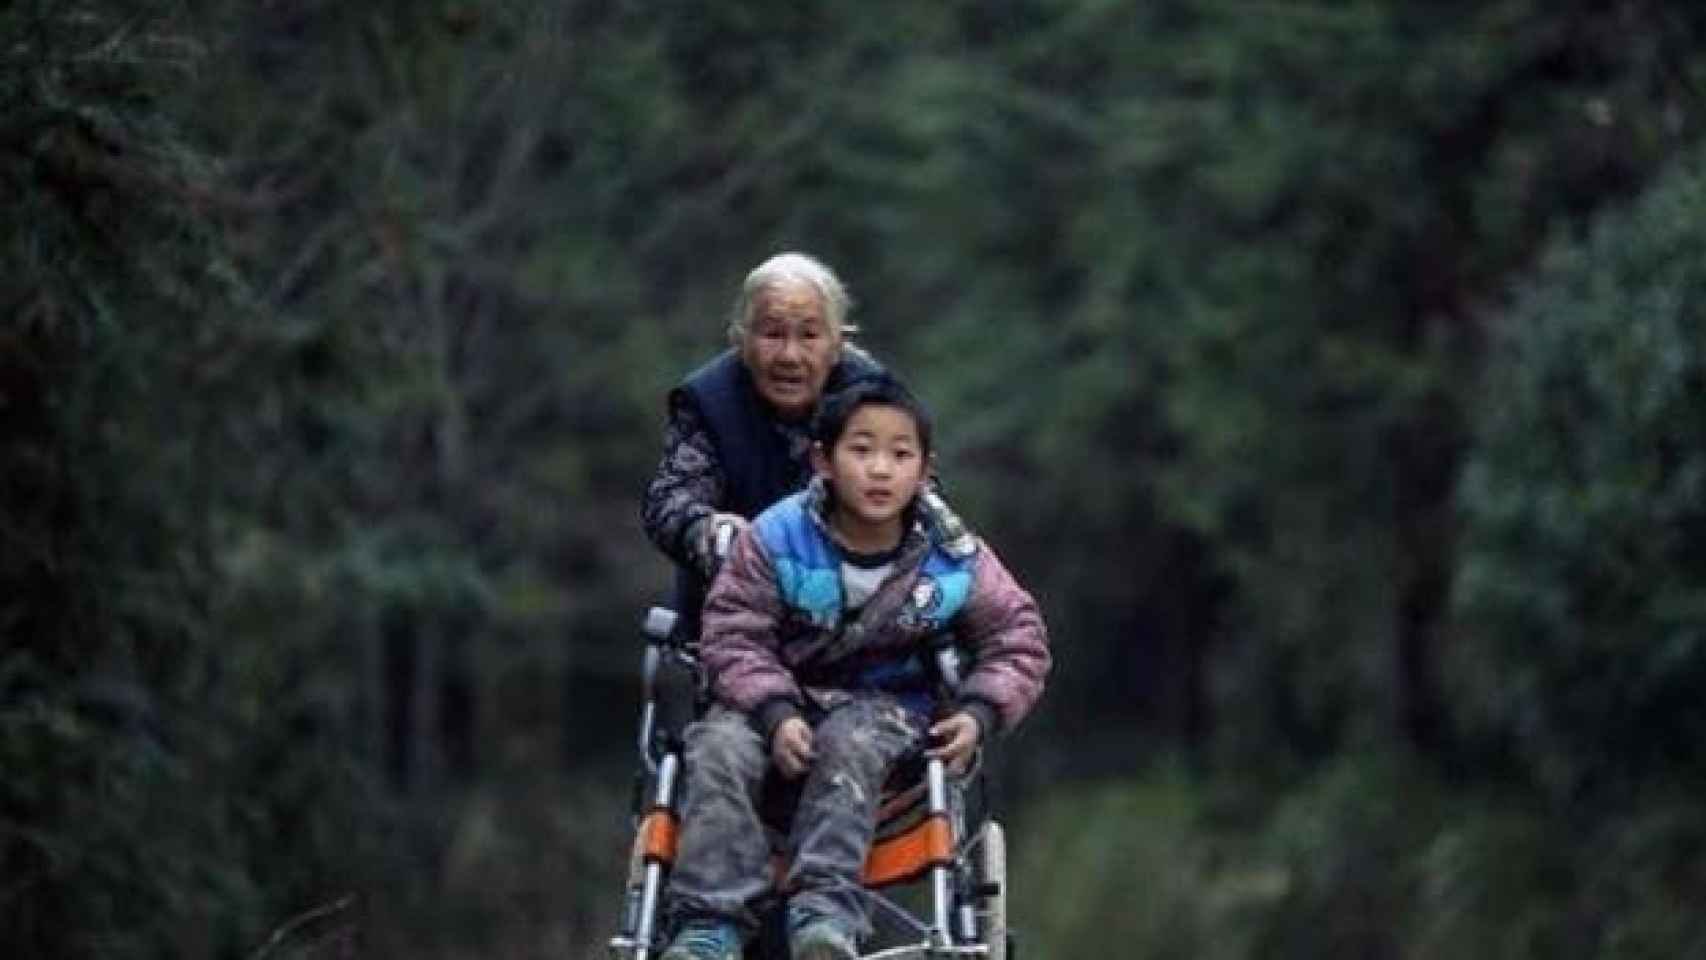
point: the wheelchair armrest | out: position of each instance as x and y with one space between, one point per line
658 626
669 681
659 631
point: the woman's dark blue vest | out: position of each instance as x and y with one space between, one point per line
752 452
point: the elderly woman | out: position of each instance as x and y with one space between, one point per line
738 433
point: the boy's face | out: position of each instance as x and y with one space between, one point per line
876 465
790 348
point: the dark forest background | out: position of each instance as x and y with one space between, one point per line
1334 372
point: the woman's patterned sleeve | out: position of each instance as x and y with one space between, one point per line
687 487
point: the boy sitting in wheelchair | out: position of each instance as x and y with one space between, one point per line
816 644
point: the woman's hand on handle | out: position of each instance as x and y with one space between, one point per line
717 533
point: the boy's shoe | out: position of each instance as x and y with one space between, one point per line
705 940
822 939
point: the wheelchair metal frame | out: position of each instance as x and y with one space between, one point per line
963 872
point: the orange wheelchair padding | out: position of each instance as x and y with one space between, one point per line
904 856
661 832
892 859
904 847
896 859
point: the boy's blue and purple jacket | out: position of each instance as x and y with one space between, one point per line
775 634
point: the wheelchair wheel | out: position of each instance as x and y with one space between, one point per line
992 883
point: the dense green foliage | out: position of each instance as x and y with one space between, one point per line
151 764
1367 858
1332 372
1583 601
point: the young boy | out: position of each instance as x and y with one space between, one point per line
816 641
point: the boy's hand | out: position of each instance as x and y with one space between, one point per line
791 747
956 740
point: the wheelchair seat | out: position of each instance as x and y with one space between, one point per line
904 846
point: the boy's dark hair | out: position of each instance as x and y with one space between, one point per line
875 389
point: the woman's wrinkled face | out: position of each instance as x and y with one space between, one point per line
790 348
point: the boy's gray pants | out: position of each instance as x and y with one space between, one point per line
723 868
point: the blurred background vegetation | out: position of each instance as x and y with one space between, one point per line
1335 373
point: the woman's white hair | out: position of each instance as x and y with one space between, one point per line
787 269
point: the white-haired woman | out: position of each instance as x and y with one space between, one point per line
738 433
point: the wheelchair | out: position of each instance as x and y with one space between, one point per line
931 830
